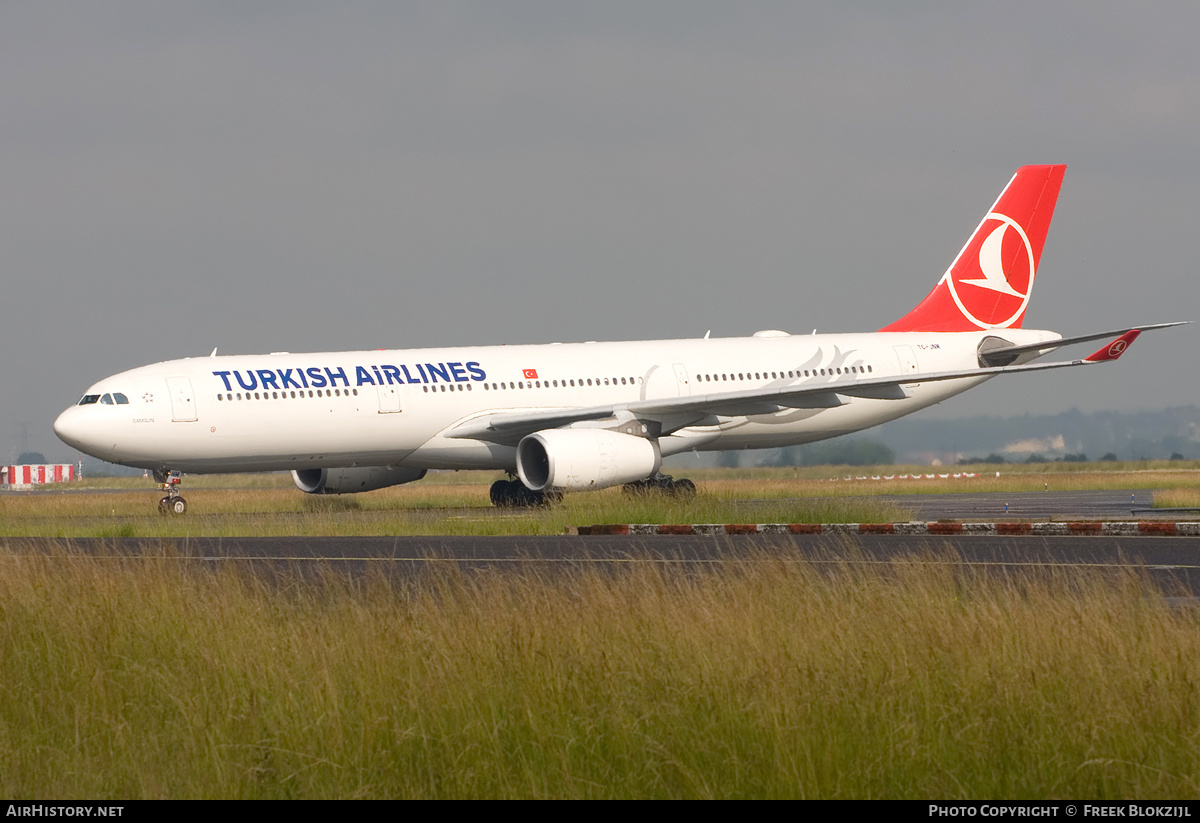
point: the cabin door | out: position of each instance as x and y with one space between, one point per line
908 361
389 399
183 401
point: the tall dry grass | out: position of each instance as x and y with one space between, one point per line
1177 498
761 677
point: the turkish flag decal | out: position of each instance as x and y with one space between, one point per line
531 374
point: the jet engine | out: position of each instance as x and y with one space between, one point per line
349 481
584 459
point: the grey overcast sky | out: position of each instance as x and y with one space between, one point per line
300 176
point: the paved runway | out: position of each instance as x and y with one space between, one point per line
1112 504
1172 562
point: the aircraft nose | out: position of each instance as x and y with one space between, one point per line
71 429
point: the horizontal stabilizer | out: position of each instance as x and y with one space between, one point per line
1004 355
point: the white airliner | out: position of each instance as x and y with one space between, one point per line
582 416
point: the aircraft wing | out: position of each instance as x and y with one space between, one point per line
679 412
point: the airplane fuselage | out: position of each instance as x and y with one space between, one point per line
400 407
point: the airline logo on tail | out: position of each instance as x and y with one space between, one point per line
990 281
1005 260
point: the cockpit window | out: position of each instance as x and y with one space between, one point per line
114 399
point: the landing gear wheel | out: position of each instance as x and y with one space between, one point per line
501 493
172 504
638 487
514 493
662 484
528 497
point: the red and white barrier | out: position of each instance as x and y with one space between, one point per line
36 474
947 476
1156 528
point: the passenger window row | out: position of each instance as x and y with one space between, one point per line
581 382
283 395
794 373
563 384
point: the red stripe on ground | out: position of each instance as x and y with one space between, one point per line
614 528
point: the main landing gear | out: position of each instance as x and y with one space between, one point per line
662 484
172 503
515 494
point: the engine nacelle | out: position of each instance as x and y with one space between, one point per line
349 481
584 459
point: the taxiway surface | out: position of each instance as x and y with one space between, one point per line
1107 504
1172 562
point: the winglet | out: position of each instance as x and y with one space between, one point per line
1114 349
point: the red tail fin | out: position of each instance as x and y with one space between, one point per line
988 285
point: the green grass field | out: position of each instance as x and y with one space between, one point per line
424 508
760 677
456 503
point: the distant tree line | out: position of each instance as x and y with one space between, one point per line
840 451
1108 457
1144 435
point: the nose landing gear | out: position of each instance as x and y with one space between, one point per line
171 503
